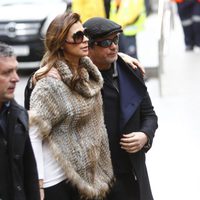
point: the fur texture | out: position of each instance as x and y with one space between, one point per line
72 123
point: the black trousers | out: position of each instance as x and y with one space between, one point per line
125 188
61 191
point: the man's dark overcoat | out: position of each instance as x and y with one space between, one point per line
17 159
136 114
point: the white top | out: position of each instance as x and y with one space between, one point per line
48 168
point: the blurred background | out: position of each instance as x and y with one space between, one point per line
172 77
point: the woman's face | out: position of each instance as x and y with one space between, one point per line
76 43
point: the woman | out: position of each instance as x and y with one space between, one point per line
66 120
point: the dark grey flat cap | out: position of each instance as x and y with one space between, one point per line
98 27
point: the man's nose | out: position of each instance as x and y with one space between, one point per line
15 77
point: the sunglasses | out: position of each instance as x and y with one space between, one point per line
77 37
108 42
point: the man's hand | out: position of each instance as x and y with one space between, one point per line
133 62
133 142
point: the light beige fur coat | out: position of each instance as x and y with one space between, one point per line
72 123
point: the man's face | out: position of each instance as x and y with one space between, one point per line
103 57
8 78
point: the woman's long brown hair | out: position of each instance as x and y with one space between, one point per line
54 42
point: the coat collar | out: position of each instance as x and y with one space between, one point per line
132 90
91 80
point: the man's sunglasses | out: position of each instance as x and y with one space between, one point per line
77 37
108 42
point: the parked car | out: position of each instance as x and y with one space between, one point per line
23 24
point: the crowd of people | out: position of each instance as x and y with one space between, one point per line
90 119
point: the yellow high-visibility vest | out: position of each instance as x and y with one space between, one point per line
89 8
130 15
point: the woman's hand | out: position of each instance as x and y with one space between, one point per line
53 72
133 62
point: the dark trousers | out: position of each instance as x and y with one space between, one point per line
61 191
125 188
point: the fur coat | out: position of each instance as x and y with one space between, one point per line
71 120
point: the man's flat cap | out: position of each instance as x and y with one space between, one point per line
98 27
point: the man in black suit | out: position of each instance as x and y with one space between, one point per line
129 115
18 172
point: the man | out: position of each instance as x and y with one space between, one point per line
129 116
189 13
18 172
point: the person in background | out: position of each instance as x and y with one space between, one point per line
131 16
89 8
107 7
18 171
148 7
69 5
129 115
189 13
67 128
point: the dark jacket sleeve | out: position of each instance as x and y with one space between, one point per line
149 120
31 183
27 93
22 160
144 118
148 117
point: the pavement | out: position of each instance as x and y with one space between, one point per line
174 161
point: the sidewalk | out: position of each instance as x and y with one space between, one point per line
174 160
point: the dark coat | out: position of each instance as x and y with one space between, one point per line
136 114
21 160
